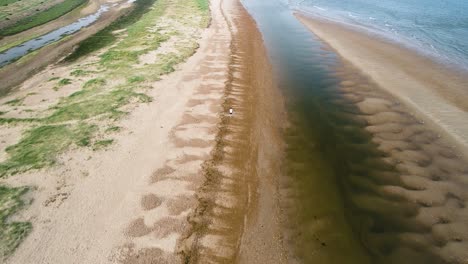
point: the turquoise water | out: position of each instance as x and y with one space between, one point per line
438 28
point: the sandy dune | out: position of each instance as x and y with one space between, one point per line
130 203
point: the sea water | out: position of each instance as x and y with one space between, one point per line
438 28
342 197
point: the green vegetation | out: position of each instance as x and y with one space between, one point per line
204 5
15 102
79 72
11 120
11 232
136 79
118 77
88 105
7 2
61 83
101 144
105 37
40 145
99 100
42 17
64 82
113 129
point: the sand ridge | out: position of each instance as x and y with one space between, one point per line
405 183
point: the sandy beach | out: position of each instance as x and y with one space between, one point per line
180 181
128 203
129 153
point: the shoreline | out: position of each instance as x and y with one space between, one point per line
437 93
405 195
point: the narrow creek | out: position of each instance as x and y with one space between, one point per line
11 55
372 186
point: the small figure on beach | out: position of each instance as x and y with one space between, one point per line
230 111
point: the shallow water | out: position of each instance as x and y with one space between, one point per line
438 28
365 181
14 53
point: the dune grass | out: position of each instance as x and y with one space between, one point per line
204 5
102 144
118 78
7 2
42 17
98 99
11 232
40 146
15 102
105 37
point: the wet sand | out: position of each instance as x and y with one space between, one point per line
400 128
437 92
238 217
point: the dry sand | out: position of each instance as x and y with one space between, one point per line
131 203
411 198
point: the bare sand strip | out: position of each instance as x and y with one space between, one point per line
237 219
408 187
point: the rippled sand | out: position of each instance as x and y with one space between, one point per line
405 184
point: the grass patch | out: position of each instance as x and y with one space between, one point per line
74 108
42 17
79 72
101 144
64 82
7 2
105 37
15 102
136 79
40 146
11 232
12 120
53 79
69 122
204 5
113 129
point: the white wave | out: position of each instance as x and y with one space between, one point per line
320 8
